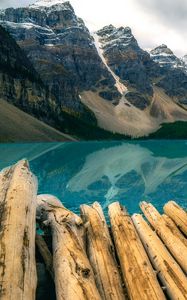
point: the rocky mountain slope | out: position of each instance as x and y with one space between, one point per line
18 126
103 79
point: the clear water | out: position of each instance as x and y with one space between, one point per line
84 172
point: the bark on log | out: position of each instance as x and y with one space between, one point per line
168 270
45 253
74 278
174 244
177 214
18 190
101 253
138 273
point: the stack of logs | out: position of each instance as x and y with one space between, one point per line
131 259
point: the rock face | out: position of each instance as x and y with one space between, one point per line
129 62
166 58
21 85
19 82
173 73
104 80
139 70
61 49
126 58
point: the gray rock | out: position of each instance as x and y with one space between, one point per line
60 48
126 58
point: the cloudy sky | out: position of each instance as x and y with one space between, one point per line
153 22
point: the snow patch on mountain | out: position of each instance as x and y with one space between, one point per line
111 37
46 3
26 26
166 58
120 86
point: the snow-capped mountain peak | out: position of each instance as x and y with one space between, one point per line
112 37
166 58
46 3
161 50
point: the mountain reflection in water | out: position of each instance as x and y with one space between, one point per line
128 172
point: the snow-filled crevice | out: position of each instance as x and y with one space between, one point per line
120 86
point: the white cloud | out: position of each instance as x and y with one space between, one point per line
153 22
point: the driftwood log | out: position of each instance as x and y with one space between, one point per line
169 272
177 214
138 273
18 190
173 242
74 278
101 253
175 229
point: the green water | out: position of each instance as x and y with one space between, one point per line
84 172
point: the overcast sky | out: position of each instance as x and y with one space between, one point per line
153 22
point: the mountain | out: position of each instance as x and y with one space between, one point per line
61 49
125 57
22 86
153 95
166 58
97 83
173 73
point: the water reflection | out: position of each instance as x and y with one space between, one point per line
107 171
116 163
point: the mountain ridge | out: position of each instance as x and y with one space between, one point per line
104 79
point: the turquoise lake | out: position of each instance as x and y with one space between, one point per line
84 172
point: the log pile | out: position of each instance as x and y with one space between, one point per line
132 258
